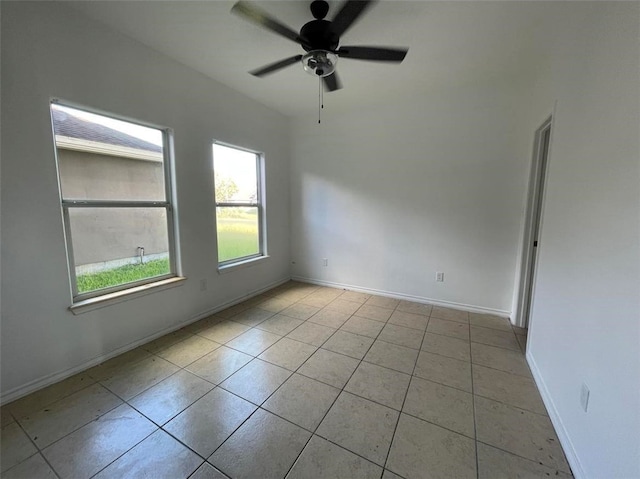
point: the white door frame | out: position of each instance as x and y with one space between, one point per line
533 223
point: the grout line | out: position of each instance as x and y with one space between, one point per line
473 408
406 393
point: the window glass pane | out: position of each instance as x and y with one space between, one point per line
101 158
237 232
235 171
114 246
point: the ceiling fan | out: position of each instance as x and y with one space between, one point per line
320 38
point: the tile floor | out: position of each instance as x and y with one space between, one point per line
300 382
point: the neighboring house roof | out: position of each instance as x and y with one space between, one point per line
74 127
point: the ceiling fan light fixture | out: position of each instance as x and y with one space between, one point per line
320 63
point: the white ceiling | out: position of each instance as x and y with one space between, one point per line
449 42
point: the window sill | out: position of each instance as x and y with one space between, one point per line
228 268
120 296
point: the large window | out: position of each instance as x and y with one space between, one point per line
239 208
116 196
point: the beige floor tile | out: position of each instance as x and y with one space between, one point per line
274 305
509 388
522 341
39 399
408 337
383 302
94 446
158 456
415 308
392 356
490 321
224 331
207 471
68 414
496 464
363 326
500 358
288 354
444 370
209 421
256 381
329 367
344 306
329 318
355 297
252 316
169 397
232 311
293 295
409 320
447 407
390 475
115 365
300 311
320 458
254 341
317 301
302 400
280 324
349 344
265 446
445 327
361 426
5 416
201 325
519 330
446 346
450 314
382 385
219 364
15 446
312 333
132 380
185 352
34 467
374 312
422 449
168 340
493 337
520 432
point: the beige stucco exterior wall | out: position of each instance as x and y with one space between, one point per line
101 235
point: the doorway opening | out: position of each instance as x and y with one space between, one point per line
533 216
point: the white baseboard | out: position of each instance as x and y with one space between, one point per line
556 420
40 383
407 297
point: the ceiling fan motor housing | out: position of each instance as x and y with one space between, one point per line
318 36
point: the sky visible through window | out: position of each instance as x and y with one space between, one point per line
239 166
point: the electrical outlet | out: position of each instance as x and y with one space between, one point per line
584 397
440 277
203 285
325 262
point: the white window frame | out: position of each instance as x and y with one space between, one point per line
168 205
259 204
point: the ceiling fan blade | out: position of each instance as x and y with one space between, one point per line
350 12
380 54
275 66
255 15
332 82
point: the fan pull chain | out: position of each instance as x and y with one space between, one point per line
320 105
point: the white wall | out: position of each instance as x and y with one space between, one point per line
50 51
392 193
585 324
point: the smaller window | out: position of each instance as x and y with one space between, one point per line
239 208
